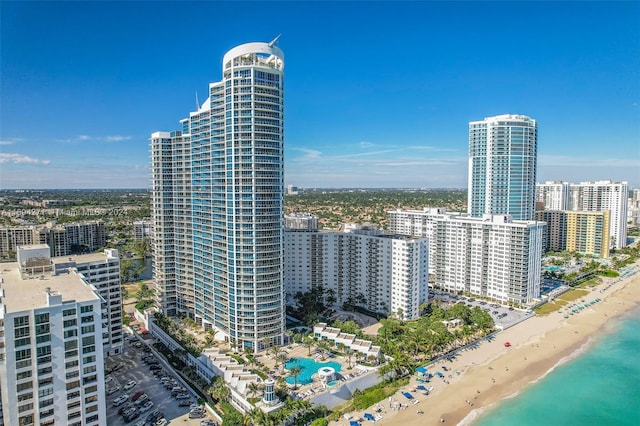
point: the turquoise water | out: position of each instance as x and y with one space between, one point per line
309 367
599 387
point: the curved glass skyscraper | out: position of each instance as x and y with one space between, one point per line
230 277
502 166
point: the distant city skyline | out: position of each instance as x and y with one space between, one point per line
379 95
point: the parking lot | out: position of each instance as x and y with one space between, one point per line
503 316
129 368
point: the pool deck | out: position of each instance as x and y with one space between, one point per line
316 386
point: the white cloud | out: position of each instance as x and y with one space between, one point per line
572 161
10 141
20 159
87 138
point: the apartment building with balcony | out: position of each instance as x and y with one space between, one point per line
218 195
381 273
493 256
51 352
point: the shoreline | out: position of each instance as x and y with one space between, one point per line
490 372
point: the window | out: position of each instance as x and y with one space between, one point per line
70 344
22 342
42 318
21 321
42 329
71 333
26 420
73 385
43 339
88 349
85 309
21 332
25 397
23 354
88 359
43 371
45 392
69 323
72 395
89 328
86 319
23 375
71 364
68 312
24 386
89 369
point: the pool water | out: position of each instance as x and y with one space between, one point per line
309 367
332 383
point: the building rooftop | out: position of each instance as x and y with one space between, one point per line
80 258
31 293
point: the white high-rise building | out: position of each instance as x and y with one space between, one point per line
218 195
502 166
382 273
592 197
102 270
605 195
493 256
554 195
51 352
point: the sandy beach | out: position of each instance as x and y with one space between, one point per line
491 371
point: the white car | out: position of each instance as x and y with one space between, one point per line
146 407
161 422
130 385
120 400
140 423
112 390
108 379
182 396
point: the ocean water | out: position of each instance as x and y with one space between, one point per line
600 387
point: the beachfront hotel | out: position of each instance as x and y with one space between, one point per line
217 193
382 273
51 351
502 166
591 197
494 256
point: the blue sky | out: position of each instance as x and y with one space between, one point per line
377 94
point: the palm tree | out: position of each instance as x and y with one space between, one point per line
253 389
282 358
307 342
349 352
295 371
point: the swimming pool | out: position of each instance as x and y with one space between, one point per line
309 367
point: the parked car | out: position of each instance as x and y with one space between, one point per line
160 422
154 416
184 403
182 396
129 411
137 395
140 423
196 413
131 416
125 408
208 423
142 400
112 390
154 367
146 406
130 385
120 400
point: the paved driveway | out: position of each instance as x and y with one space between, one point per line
132 368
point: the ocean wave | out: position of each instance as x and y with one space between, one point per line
473 415
573 355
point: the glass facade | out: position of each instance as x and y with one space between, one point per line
502 166
233 269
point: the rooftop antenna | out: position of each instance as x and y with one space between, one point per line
197 103
275 40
